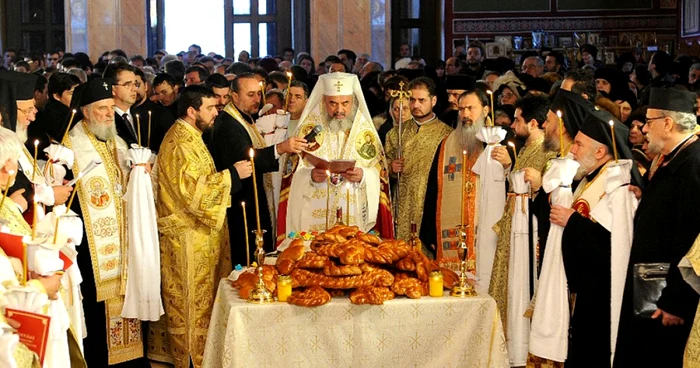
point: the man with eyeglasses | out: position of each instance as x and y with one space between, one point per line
124 89
665 227
534 66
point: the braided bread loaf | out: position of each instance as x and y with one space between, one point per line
332 269
375 278
311 297
311 260
411 287
371 295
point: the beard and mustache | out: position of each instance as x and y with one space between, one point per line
21 131
587 164
469 140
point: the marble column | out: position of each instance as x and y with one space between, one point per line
360 26
96 26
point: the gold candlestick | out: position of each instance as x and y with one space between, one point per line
245 230
515 154
255 189
35 166
493 116
561 134
347 204
72 115
138 129
612 130
289 84
463 289
149 129
262 90
260 294
328 196
11 174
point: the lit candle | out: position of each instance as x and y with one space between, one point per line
436 284
255 190
262 90
10 174
36 153
55 231
138 129
289 84
464 185
493 119
347 204
35 218
245 230
612 130
515 154
328 196
149 129
72 115
561 134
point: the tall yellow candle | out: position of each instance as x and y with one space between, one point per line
245 230
255 190
464 185
347 204
612 130
328 196
138 129
10 174
35 218
35 166
493 117
515 154
72 115
561 134
149 129
55 231
289 84
262 90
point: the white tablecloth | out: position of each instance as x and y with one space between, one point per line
429 332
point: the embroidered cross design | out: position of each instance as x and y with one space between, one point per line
105 85
338 85
451 168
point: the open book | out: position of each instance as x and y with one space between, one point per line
334 166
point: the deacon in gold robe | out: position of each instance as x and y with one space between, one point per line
451 182
192 202
420 138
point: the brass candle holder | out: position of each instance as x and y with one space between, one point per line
463 289
260 295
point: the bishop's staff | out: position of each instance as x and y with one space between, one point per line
401 94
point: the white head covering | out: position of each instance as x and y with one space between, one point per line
337 84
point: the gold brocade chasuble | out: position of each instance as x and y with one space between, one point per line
100 194
451 193
691 357
194 244
532 155
420 144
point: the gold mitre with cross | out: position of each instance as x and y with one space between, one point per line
338 84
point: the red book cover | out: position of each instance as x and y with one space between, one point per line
34 330
13 246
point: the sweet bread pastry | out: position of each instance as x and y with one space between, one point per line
371 295
411 287
311 297
332 269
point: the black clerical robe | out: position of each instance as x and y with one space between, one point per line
50 124
229 142
665 227
161 120
586 254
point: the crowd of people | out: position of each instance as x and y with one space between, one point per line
521 169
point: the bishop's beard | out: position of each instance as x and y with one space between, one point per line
586 165
21 131
103 132
469 141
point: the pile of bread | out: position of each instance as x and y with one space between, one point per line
345 260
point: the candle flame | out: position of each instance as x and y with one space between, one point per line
74 111
464 152
251 153
489 91
11 172
559 113
36 199
36 142
261 83
511 144
137 116
243 204
289 74
328 173
612 123
149 112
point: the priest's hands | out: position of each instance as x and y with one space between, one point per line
244 169
51 283
354 175
17 197
397 165
292 145
667 319
500 154
636 190
534 177
318 175
61 194
560 215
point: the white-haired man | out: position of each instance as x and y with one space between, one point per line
113 339
338 107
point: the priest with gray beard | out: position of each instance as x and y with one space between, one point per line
452 182
113 339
